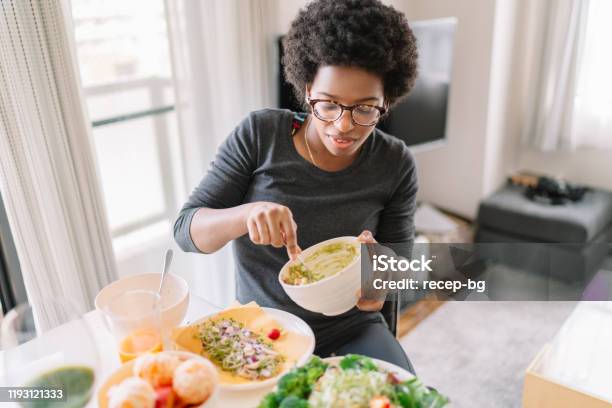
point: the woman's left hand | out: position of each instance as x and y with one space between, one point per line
367 305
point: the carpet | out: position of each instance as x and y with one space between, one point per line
476 353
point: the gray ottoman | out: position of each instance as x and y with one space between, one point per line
579 232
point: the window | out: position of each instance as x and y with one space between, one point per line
593 101
12 290
124 61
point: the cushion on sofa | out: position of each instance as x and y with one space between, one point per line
508 210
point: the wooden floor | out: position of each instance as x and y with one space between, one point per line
418 312
415 314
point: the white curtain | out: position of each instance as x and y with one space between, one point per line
570 103
224 63
48 175
592 125
552 98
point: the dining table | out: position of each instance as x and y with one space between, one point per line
109 355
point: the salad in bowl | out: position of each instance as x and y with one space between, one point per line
353 381
327 278
326 261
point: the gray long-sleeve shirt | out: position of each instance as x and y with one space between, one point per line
259 162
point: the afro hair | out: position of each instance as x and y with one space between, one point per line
359 33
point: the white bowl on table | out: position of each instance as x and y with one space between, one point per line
332 295
401 373
174 297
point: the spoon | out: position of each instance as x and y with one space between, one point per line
167 261
299 256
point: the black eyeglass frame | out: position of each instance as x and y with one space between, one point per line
313 102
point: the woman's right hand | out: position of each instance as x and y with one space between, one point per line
273 224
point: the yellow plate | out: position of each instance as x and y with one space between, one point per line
296 344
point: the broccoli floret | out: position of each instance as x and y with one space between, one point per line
314 373
293 383
294 402
271 400
356 361
315 361
314 369
300 381
413 393
294 387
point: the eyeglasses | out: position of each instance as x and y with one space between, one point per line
331 111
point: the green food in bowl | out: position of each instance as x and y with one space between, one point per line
76 383
355 382
324 262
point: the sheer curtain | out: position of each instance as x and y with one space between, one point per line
592 126
224 63
552 98
47 170
571 106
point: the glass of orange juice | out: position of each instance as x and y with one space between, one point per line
134 318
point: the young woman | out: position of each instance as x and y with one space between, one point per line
283 180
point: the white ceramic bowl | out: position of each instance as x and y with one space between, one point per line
174 299
400 373
332 295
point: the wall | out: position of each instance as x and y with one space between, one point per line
287 10
476 161
587 166
504 113
473 160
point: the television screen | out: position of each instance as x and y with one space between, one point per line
420 118
286 98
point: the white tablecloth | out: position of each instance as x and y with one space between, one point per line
109 357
